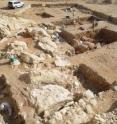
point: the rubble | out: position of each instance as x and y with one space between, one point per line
62 61
31 58
18 46
34 32
75 113
47 96
47 76
106 118
7 29
47 45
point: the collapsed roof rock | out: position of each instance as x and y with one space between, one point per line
71 115
47 45
106 118
62 61
53 76
49 26
90 45
6 28
47 96
30 58
39 31
33 32
74 113
18 46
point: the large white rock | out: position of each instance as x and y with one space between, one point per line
39 31
47 96
34 32
69 115
47 45
88 94
30 58
52 76
10 25
77 113
62 61
18 45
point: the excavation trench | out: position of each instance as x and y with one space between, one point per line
45 15
89 40
90 79
6 97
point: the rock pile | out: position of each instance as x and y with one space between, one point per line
8 29
46 97
75 112
65 79
47 45
84 44
106 118
18 46
30 58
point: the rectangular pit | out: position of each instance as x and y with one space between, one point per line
89 40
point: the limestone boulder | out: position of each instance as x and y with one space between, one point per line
47 76
70 115
62 61
48 96
74 113
54 76
39 31
106 118
16 23
82 48
30 58
47 45
34 32
18 46
90 45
